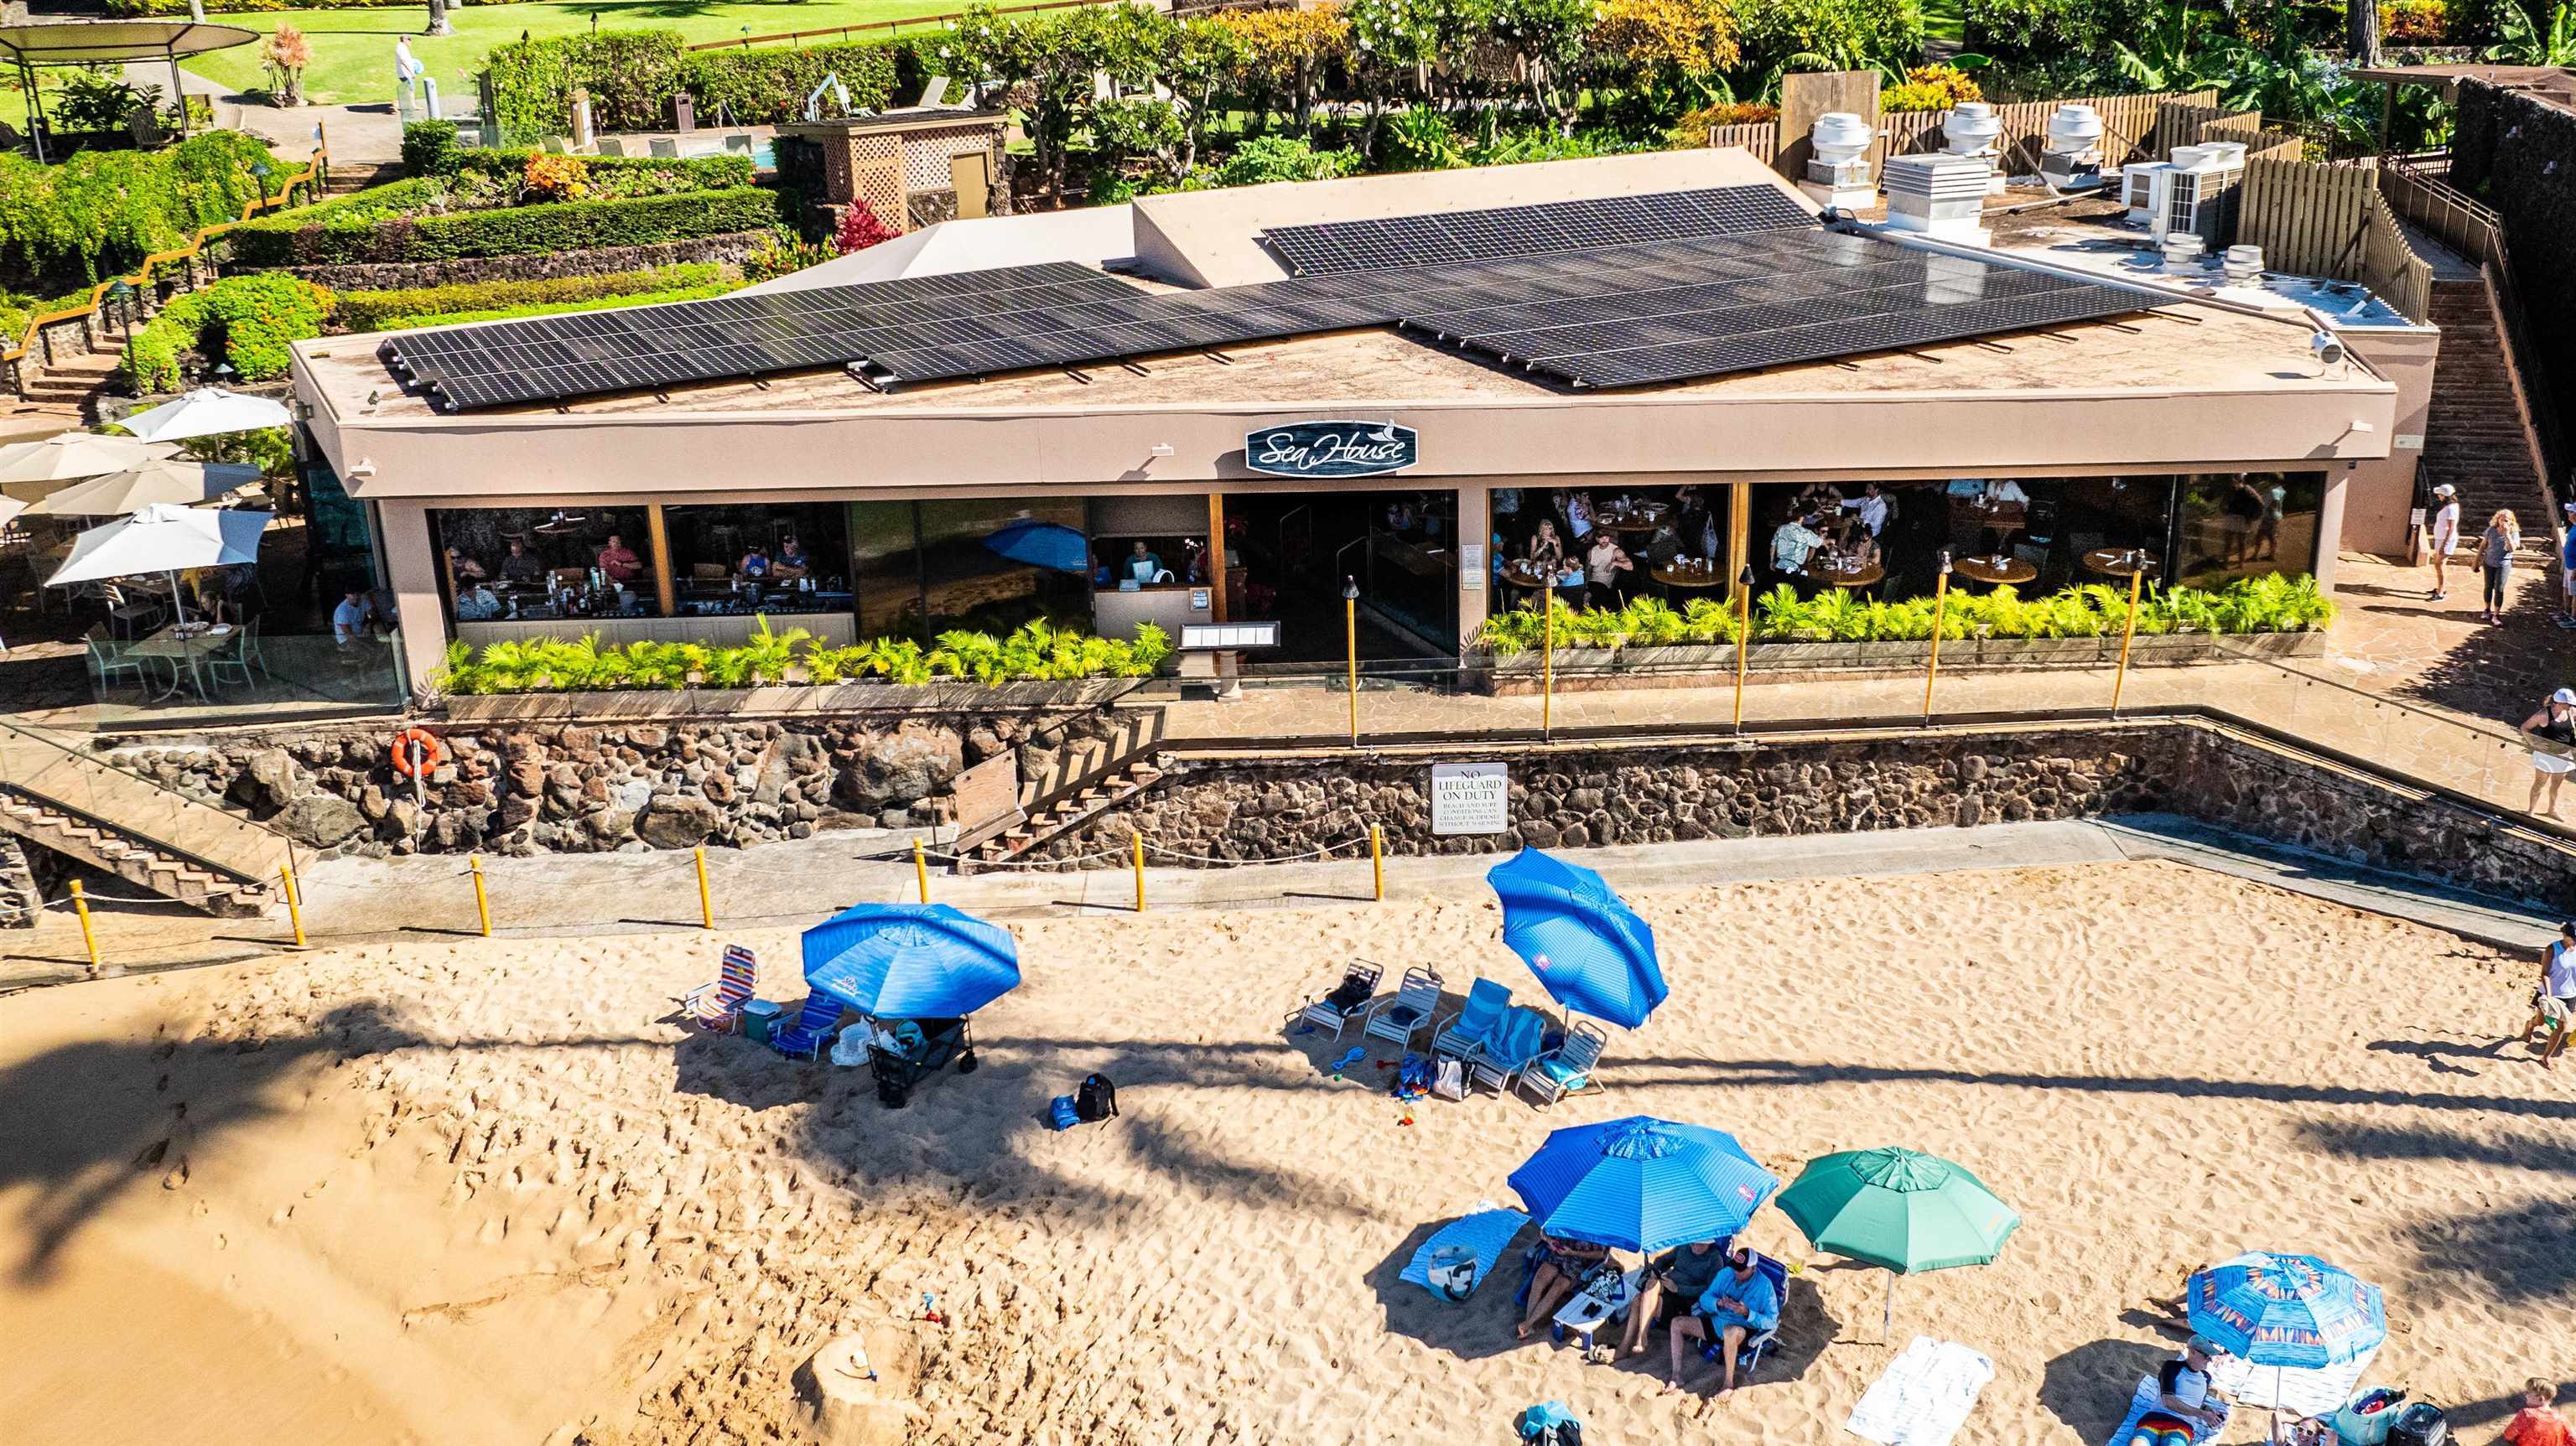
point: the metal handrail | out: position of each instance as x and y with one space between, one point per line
265 849
318 165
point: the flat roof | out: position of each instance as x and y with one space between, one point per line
1087 236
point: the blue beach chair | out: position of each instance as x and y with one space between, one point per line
1519 1039
1754 1345
1570 1068
1468 1029
1485 1235
815 1025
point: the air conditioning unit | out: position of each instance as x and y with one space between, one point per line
2184 193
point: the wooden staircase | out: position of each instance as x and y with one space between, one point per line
1094 776
132 859
2478 436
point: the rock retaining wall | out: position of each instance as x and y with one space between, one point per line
625 786
20 896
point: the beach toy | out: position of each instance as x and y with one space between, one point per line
1346 1061
930 1309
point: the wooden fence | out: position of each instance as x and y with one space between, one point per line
2128 125
2182 124
2332 221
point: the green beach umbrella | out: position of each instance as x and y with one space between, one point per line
1900 1210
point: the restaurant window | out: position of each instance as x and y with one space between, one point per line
2243 524
2035 534
976 564
541 563
758 557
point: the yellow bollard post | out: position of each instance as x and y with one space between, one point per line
1546 665
1743 638
1351 646
482 900
706 900
294 902
2128 630
1140 871
1940 601
921 870
1377 862
89 936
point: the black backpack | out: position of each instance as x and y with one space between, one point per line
1097 1100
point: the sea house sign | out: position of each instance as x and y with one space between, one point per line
1331 449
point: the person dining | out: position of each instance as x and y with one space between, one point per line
349 620
521 569
462 569
754 564
1546 553
617 561
1792 543
1602 564
477 603
791 561
1579 515
1870 507
1854 551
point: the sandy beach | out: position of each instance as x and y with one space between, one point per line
491 1191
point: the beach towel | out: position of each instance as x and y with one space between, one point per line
2319 1392
1923 1396
1481 1236
2142 1403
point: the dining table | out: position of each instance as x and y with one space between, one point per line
1521 573
1637 517
1690 575
190 644
1822 571
1993 569
2122 562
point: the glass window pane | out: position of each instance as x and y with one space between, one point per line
540 563
992 564
885 569
758 557
2242 524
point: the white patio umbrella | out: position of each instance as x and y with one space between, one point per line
163 539
10 507
180 484
70 456
205 412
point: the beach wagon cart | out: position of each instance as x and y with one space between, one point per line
927 1047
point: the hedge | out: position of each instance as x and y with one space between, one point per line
101 212
244 320
429 149
297 240
558 308
377 310
632 74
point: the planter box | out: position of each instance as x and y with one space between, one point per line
945 697
1896 654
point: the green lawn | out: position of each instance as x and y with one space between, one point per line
353 50
1945 20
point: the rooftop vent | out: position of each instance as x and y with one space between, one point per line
1838 172
1942 196
2071 158
1974 130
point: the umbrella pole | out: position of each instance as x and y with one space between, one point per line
176 600
1887 1311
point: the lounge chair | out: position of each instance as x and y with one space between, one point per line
717 1007
612 146
1344 1002
1750 1356
1408 1011
815 1025
1486 1004
1520 1038
1483 1235
664 148
1570 1068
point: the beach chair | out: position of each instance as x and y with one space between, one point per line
2149 1397
717 1007
1520 1038
1754 1345
815 1025
612 146
1482 1237
1486 1004
1408 1011
1337 1007
1570 1068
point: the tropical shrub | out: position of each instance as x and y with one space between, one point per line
2268 604
779 255
91 102
246 321
429 148
1929 87
1264 159
100 213
2414 22
544 177
1037 652
859 230
632 74
314 236
379 310
124 8
283 55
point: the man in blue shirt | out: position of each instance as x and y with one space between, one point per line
1739 1305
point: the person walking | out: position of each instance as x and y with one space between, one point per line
2553 1005
2446 537
2496 547
2552 732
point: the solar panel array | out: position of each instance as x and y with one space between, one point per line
1603 315
1448 236
547 359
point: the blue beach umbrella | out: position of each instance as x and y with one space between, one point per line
911 961
1585 944
1042 544
1642 1184
2285 1310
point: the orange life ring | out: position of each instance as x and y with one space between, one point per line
409 740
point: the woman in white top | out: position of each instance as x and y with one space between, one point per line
2446 536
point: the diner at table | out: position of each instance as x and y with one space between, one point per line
618 561
522 569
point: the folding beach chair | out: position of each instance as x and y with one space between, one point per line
1486 1004
815 1025
716 1007
1408 1011
1570 1068
1344 1002
1754 1345
1520 1038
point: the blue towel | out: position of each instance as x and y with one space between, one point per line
1486 1234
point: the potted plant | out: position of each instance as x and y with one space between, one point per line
284 54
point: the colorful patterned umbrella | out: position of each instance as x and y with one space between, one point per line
2285 1310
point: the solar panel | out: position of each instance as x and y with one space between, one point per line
1448 236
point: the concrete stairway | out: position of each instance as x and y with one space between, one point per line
2478 436
347 178
1095 776
132 859
63 396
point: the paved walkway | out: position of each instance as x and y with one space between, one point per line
359 135
427 899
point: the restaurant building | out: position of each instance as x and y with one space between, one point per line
2212 428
